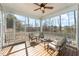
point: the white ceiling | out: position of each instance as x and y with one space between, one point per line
27 8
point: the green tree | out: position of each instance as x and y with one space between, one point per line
19 26
10 20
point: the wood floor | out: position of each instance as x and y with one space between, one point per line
19 50
39 50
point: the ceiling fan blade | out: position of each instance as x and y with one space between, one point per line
44 3
37 9
49 7
37 4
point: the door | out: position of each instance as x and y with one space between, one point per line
20 28
9 36
15 29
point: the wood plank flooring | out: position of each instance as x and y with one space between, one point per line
19 50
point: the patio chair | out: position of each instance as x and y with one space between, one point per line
32 37
57 45
41 36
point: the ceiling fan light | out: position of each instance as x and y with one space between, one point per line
42 8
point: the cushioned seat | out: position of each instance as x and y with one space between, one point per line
53 46
57 43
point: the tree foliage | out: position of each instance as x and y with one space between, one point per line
10 23
10 20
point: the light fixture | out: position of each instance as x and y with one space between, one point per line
42 8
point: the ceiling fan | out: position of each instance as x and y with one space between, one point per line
42 7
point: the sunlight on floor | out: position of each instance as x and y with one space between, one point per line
19 50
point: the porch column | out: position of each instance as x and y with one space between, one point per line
77 27
1 26
41 29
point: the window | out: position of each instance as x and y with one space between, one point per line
0 23
43 25
68 26
55 21
10 20
37 25
31 24
72 27
72 21
9 35
46 25
20 23
64 23
52 24
0 16
27 24
0 29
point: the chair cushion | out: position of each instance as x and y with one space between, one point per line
56 43
51 45
59 41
